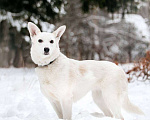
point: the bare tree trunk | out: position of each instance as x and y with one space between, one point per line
123 9
18 61
4 46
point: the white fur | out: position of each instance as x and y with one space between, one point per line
66 80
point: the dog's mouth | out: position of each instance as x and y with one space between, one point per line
46 53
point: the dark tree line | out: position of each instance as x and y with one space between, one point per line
45 10
112 6
42 9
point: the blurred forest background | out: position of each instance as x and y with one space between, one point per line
115 30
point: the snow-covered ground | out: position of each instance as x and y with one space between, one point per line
21 99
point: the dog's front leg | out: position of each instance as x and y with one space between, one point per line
57 107
66 104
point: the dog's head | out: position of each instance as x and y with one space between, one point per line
45 46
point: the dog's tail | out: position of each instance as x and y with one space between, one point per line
131 108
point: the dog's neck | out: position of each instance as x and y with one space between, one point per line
55 61
47 64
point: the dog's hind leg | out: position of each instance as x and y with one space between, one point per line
113 100
98 99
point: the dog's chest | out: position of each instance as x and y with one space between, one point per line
53 83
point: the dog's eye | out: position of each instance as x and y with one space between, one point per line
40 41
52 41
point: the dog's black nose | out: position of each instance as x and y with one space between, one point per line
46 50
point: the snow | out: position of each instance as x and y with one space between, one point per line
116 20
115 49
15 23
27 38
142 29
141 4
21 99
45 26
139 23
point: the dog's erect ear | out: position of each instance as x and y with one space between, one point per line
58 33
33 29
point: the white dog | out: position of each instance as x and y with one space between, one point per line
64 81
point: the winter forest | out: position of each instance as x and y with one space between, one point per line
96 29
112 30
